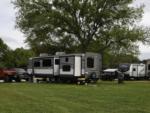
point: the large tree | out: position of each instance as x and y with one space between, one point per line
80 25
21 57
16 58
3 51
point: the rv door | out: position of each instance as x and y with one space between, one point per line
56 66
134 71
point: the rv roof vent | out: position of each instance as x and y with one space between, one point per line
60 53
43 54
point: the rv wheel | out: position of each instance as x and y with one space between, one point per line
93 77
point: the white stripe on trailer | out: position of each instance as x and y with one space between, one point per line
43 71
77 66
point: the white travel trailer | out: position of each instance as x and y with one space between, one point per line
136 71
78 67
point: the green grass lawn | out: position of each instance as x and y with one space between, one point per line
104 97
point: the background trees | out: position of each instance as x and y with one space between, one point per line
102 26
13 58
21 57
3 50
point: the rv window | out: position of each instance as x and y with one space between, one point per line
66 67
47 63
134 69
149 67
66 59
57 61
90 62
36 63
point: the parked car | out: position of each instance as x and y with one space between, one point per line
109 74
21 73
7 74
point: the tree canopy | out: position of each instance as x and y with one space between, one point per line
80 25
77 22
16 58
21 57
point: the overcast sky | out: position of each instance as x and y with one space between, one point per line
14 38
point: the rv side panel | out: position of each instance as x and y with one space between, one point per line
67 66
147 62
43 67
137 70
93 64
141 70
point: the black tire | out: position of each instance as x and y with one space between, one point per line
93 77
126 77
7 79
27 79
18 79
31 78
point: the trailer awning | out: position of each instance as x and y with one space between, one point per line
110 70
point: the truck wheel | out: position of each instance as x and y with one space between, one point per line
7 79
18 79
30 78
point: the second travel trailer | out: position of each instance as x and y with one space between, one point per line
83 67
136 71
86 66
